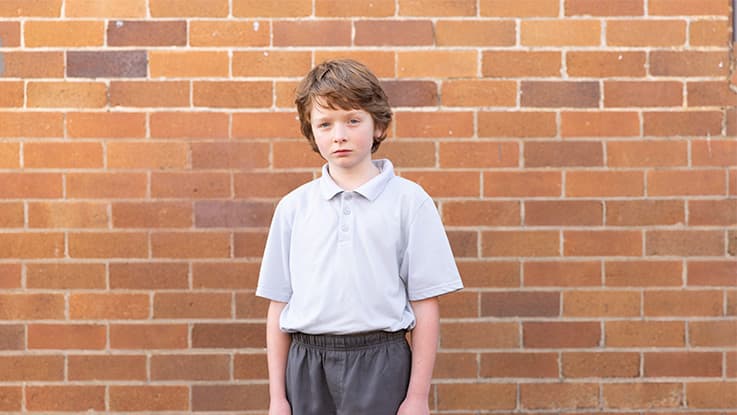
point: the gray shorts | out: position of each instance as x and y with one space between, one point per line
363 374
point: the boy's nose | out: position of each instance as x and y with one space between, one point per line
339 134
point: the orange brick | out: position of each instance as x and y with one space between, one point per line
563 213
232 94
267 125
190 185
65 398
30 185
190 367
192 8
594 8
11 398
433 64
285 92
464 243
147 33
562 273
71 33
476 396
712 273
452 365
238 155
447 184
712 395
619 183
479 335
393 33
517 124
519 365
62 155
646 32
712 333
239 275
311 33
520 8
31 124
559 395
481 213
685 243
224 33
712 212
559 94
67 215
337 8
645 212
563 154
711 93
685 182
191 245
66 336
258 8
247 305
408 153
107 367
601 303
600 124
148 336
521 64
10 155
682 364
560 33
152 215
268 185
192 305
643 94
31 245
605 64
230 397
65 276
271 64
11 215
721 153
601 365
437 8
10 277
733 181
106 185
602 243
110 8
688 7
645 273
689 63
648 153
380 62
10 33
106 125
18 8
561 334
34 64
520 243
645 334
32 368
709 33
189 125
228 214
235 335
108 245
434 124
475 33
642 395
483 273
295 154
149 94
149 398
108 306
188 64
11 94
31 307
249 244
520 304
523 183
149 276
147 155
479 93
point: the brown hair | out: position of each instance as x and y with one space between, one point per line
344 84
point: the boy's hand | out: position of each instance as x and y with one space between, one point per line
414 406
280 407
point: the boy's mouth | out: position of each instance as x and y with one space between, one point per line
341 152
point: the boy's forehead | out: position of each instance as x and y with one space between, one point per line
319 109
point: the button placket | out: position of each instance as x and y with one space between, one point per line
345 217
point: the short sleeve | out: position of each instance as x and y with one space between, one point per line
274 278
428 262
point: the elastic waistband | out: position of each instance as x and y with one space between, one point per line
348 341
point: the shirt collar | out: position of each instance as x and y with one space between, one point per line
370 190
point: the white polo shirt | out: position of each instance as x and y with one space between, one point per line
350 262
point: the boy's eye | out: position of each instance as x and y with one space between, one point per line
354 121
323 125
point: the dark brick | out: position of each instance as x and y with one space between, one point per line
119 64
311 33
411 93
394 33
522 304
229 214
12 337
560 94
228 336
563 154
149 33
229 397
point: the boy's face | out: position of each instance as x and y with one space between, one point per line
344 137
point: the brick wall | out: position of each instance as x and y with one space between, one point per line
582 154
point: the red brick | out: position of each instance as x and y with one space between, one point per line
311 33
683 364
66 398
227 33
43 8
11 215
712 273
522 183
31 245
190 185
335 8
595 8
189 125
564 154
647 32
560 33
722 212
411 93
479 92
685 243
393 33
688 7
517 124
107 367
722 153
149 398
563 213
9 155
559 395
152 215
65 33
712 333
490 273
521 64
66 336
408 153
24 64
645 334
11 398
108 245
521 304
605 64
114 8
32 368
447 184
11 92
232 94
109 306
228 335
477 396
602 243
709 33
267 185
562 273
732 182
180 64
506 8
643 273
619 183
284 93
190 245
643 94
10 33
148 336
647 153
464 243
62 155
31 124
474 335
433 64
10 277
561 334
229 214
107 64
434 124
247 305
642 395
231 275
559 94
479 154
644 212
295 154
192 8
63 276
106 185
67 215
437 8
683 303
685 182
520 243
253 366
149 276
190 367
601 365
271 64
266 125
147 33
710 93
149 93
690 63
234 155
257 8
227 397
475 33
600 124
481 213
519 365
106 125
712 395
601 303
147 155
192 305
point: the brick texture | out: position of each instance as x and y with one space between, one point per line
580 152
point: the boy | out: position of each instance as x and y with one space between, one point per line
353 260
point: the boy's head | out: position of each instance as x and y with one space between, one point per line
342 84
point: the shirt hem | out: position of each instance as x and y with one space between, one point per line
436 291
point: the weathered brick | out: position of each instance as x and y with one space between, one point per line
107 64
192 305
643 273
11 398
434 64
595 8
411 93
467 335
559 94
66 336
408 153
107 367
149 93
520 304
108 245
10 275
190 8
649 32
606 64
602 243
520 243
11 93
68 398
712 212
234 275
709 33
230 397
147 33
147 155
601 364
522 8
484 273
190 245
253 366
712 333
562 273
228 335
561 334
29 245
311 33
65 276
227 33
109 8
267 125
189 125
711 395
393 33
517 124
475 33
689 63
247 305
643 94
560 32
710 93
22 8
67 215
701 303
564 154
24 64
194 64
66 94
480 93
259 8
9 34
685 182
149 398
11 215
190 367
645 334
148 336
648 153
271 64
645 212
559 395
31 124
337 8
63 155
70 33
522 183
518 64
599 124
106 125
642 395
601 304
32 368
106 185
232 94
295 154
434 124
437 8
619 183
447 184
688 7
519 365
683 364
149 276
267 185
712 273
109 306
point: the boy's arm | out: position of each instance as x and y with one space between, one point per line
277 348
424 346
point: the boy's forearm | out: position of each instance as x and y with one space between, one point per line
277 348
424 346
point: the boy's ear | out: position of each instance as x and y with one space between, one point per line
378 132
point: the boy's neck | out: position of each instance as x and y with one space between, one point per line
353 178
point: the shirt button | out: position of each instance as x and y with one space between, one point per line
348 196
344 228
347 211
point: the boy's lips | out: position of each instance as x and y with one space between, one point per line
341 152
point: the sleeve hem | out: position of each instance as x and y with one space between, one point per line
436 291
272 295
